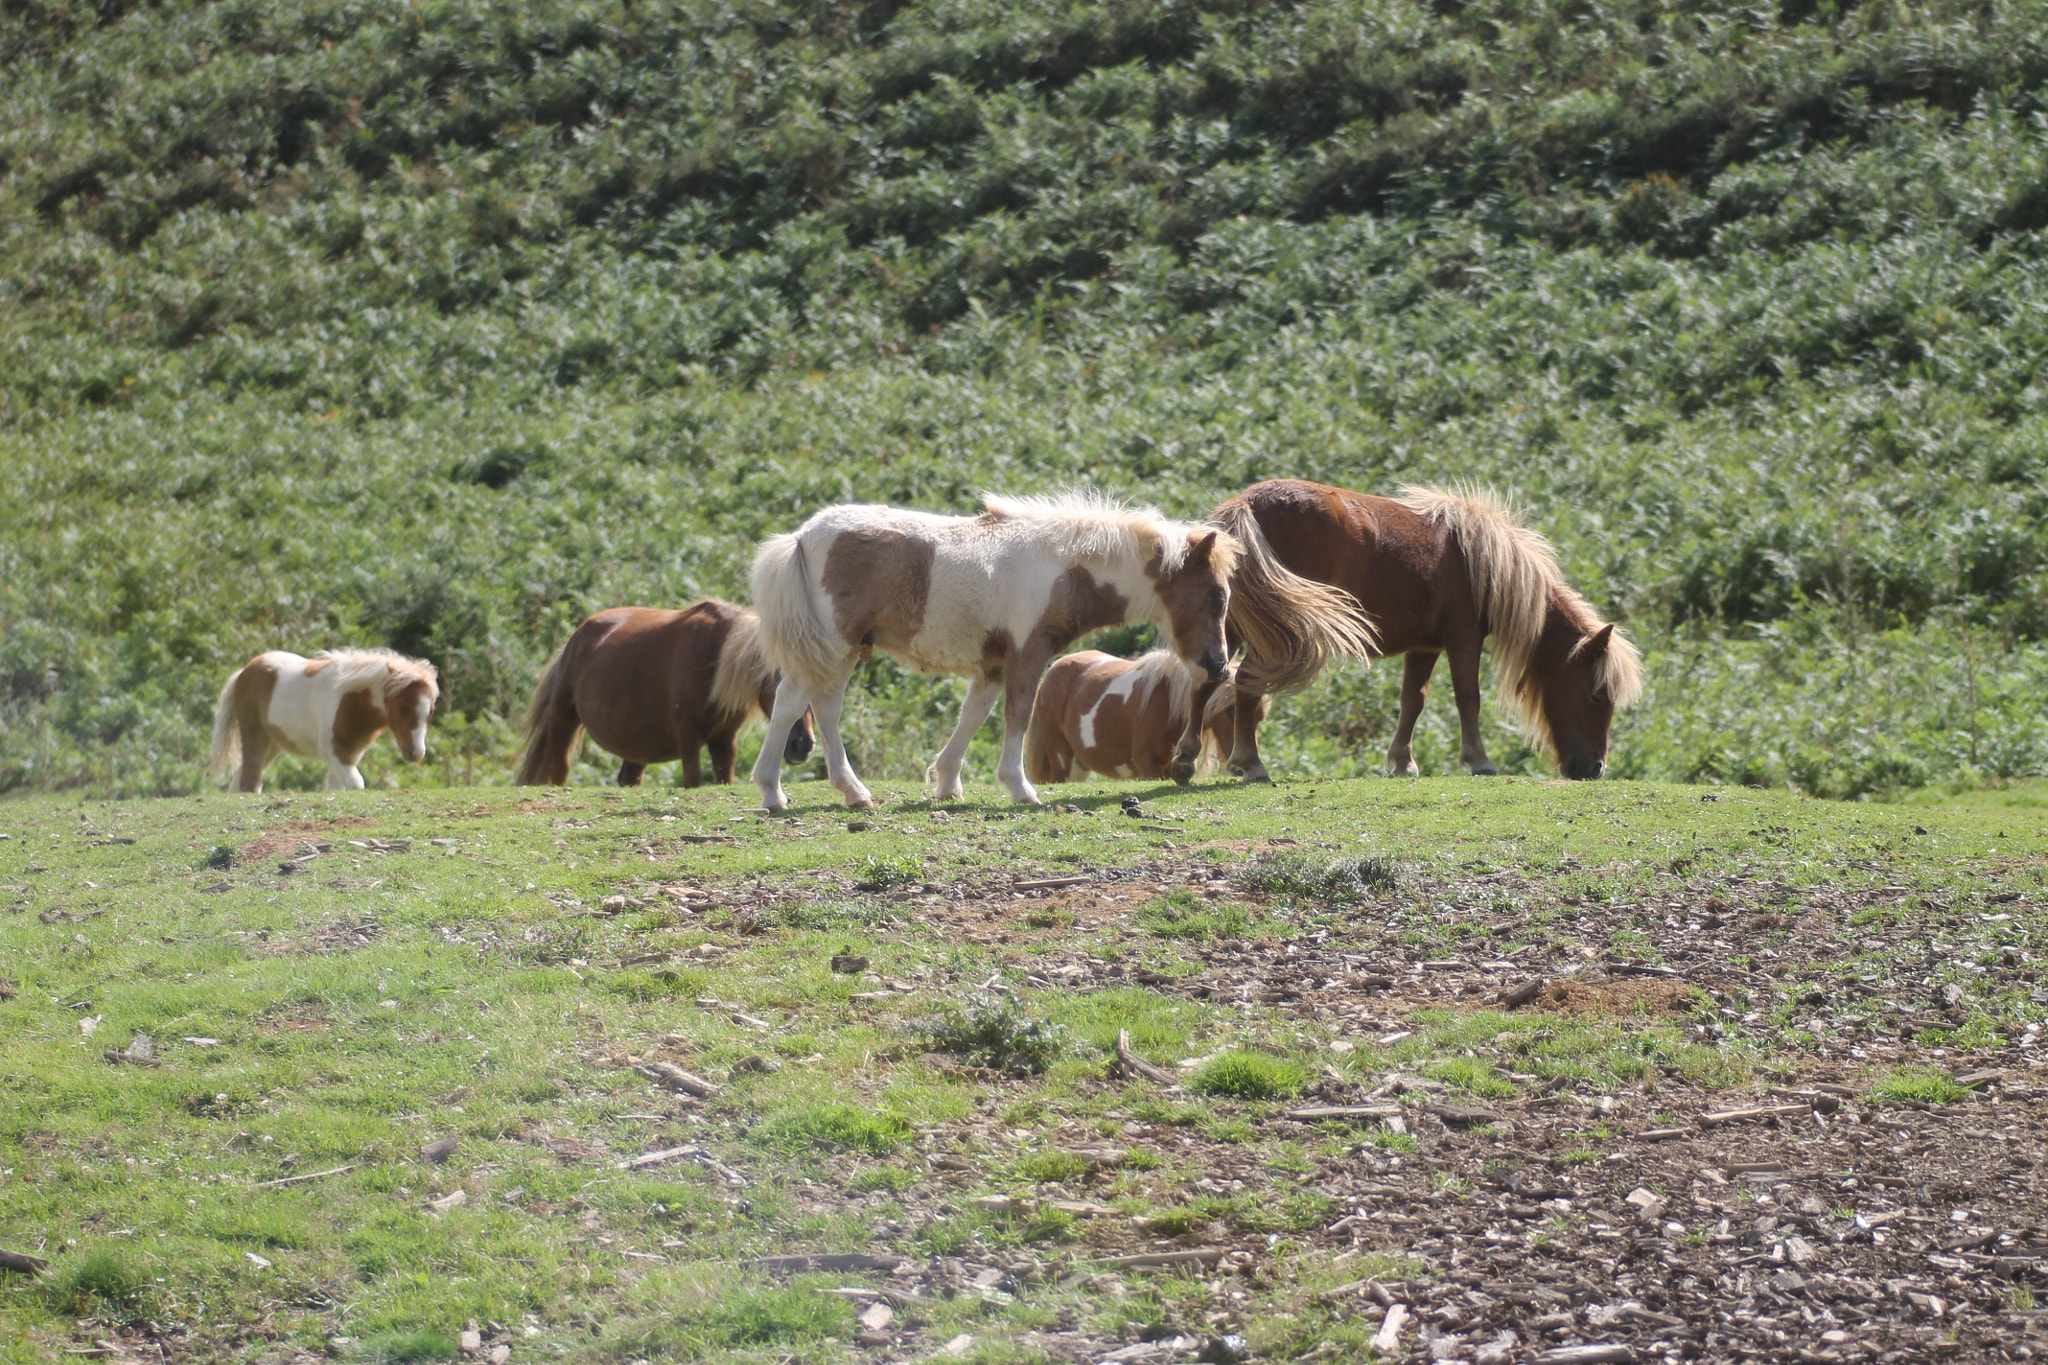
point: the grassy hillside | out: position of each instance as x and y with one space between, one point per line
439 325
408 1064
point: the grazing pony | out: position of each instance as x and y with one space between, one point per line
327 707
653 686
1097 713
1439 572
993 597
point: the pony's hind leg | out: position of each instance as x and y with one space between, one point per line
631 773
255 758
1021 676
724 748
825 708
1416 666
981 699
791 701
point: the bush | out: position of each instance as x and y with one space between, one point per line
995 1031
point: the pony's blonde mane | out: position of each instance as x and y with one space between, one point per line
1515 581
353 668
1162 667
1085 524
742 668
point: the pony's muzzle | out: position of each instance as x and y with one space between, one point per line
799 746
1583 767
1214 665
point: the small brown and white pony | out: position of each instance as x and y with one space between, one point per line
1439 572
995 598
327 707
652 686
1097 713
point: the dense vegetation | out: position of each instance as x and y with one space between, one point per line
439 325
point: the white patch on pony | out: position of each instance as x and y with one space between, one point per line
1121 688
1123 770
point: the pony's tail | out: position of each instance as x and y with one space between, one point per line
226 755
742 668
792 639
1291 627
533 761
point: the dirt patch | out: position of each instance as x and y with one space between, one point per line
337 936
294 839
1614 997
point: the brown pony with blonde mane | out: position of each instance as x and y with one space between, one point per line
653 686
1438 572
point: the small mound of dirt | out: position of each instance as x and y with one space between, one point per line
1614 997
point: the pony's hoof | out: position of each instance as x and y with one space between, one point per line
1408 769
1254 776
1486 770
860 803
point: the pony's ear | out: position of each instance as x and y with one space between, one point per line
1597 642
1201 547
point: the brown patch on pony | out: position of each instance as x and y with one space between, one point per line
879 582
313 666
359 718
251 745
1078 604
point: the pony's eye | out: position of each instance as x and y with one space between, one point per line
1218 596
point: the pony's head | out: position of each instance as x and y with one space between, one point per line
798 746
409 700
1580 673
1192 580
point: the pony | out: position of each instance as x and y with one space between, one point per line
1439 571
653 686
327 707
1119 717
992 597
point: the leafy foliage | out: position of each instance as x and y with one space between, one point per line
439 326
996 1031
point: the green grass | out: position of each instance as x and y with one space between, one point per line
507 1026
1249 1075
1918 1086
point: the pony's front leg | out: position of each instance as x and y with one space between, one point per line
1021 675
791 701
1246 713
1465 688
342 776
981 699
825 708
1189 750
1416 666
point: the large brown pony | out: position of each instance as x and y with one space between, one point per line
1438 572
1097 713
652 686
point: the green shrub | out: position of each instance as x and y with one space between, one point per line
99 1283
833 1125
995 1031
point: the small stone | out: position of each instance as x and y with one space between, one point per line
849 964
470 1342
958 1346
499 1354
876 1316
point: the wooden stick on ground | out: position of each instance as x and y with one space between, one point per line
1129 1063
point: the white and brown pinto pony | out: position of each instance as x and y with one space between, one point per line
994 598
1097 713
327 707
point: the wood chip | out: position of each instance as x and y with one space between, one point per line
1346 1111
1767 1111
22 1263
1610 1353
1662 1134
301 1179
1129 1063
1388 1338
139 1052
440 1150
1974 1078
1050 883
454 1199
1199 1256
673 1076
837 1263
1462 1116
1522 994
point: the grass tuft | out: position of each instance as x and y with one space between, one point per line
1327 880
1248 1075
100 1283
1917 1085
833 1125
1185 914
